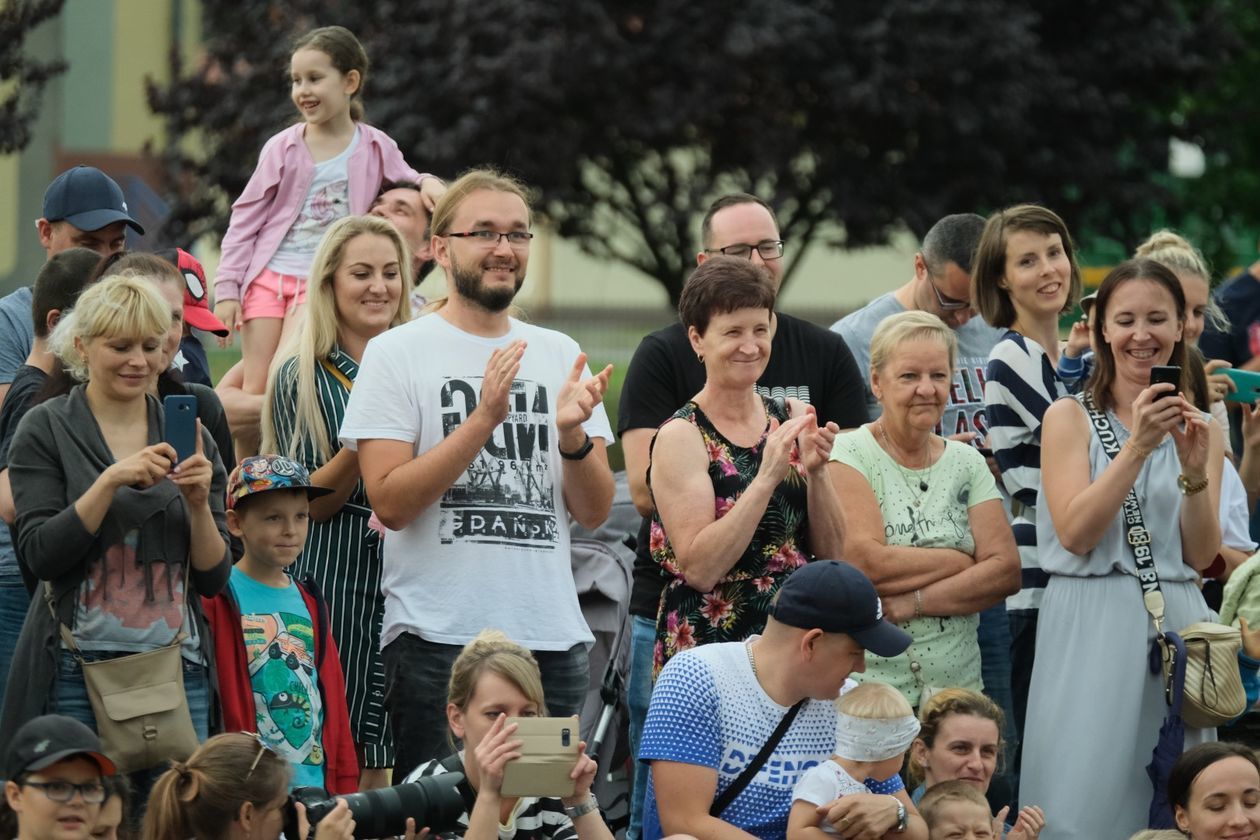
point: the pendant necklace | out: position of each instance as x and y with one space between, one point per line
927 465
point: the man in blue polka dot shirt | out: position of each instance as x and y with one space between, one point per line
714 707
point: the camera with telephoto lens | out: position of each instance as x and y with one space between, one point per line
434 801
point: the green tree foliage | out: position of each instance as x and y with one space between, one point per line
22 76
628 116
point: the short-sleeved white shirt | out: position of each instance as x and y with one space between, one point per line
494 550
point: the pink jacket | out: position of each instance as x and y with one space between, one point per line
275 193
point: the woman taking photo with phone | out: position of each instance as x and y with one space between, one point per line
121 534
492 680
1094 624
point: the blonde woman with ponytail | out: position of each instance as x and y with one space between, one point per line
357 291
232 788
495 679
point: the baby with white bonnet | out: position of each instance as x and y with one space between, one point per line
875 725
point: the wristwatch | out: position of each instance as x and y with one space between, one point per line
902 816
1187 487
591 804
582 451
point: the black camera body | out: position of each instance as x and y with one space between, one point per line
434 801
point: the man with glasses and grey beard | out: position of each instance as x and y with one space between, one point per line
806 362
942 285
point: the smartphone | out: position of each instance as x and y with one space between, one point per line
181 424
1166 373
549 749
1246 385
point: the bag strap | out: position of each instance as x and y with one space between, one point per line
741 782
1136 535
454 764
337 374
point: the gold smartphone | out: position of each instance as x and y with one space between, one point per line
549 749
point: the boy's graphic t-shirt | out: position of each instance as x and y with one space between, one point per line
280 649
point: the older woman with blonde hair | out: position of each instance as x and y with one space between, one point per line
923 517
356 292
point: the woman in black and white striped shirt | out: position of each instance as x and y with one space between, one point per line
495 679
355 293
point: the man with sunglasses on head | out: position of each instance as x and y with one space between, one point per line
806 362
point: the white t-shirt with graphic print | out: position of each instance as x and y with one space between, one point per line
494 549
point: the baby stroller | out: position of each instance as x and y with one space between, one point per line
603 563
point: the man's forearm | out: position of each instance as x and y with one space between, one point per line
589 486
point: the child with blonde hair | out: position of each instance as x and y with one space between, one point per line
875 725
955 810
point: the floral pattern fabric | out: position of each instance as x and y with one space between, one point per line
737 607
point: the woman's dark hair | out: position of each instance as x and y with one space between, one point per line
1197 759
200 798
1104 375
993 302
346 54
1194 379
724 284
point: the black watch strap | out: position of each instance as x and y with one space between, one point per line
582 451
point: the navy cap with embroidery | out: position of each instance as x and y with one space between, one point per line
87 198
835 597
48 739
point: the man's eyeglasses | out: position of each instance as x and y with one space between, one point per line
93 793
518 239
947 302
769 249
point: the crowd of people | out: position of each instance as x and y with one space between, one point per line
886 583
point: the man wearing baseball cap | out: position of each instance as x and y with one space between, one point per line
83 208
53 770
716 707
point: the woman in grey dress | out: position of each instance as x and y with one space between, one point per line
1093 702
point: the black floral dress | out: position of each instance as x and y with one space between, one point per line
737 607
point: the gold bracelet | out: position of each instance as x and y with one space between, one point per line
1137 450
1190 488
918 603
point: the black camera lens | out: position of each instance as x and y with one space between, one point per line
434 801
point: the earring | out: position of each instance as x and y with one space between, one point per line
700 358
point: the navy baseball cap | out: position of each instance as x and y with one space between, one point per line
87 198
45 740
837 598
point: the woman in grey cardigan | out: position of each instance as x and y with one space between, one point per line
107 520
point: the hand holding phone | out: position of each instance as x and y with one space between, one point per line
1246 386
181 425
549 749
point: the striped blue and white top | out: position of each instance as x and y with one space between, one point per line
1020 383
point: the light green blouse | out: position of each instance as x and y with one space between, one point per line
945 647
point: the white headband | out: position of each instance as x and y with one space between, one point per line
874 739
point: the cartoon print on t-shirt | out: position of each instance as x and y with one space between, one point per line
506 496
282 673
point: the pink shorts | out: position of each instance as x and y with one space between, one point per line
272 295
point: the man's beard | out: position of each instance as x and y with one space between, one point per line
468 283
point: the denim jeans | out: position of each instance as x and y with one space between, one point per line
995 667
416 676
13 603
638 696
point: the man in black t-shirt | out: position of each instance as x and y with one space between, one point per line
807 362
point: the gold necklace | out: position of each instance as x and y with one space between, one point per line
927 465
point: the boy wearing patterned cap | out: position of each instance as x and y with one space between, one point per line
278 667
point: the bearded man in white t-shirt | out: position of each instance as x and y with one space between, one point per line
478 436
